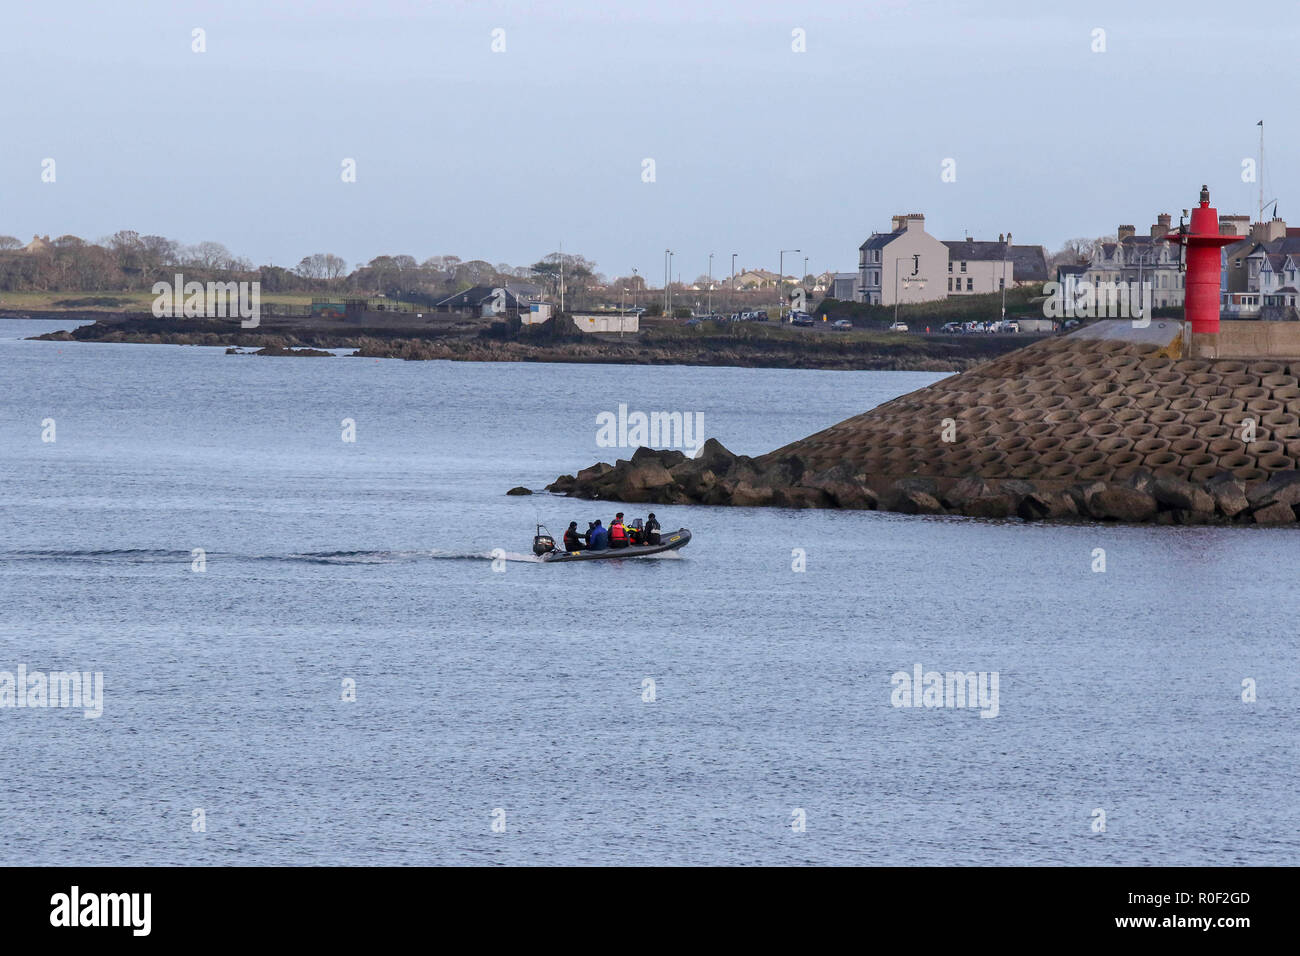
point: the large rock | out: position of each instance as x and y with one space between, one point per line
842 487
980 499
1281 488
1229 495
598 470
715 457
1120 503
696 483
1175 494
1041 503
912 496
668 457
1276 513
783 473
746 495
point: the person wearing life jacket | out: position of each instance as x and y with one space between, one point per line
597 538
651 530
617 532
573 540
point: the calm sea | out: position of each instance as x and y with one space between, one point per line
715 707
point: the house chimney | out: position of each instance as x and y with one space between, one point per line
1125 232
896 223
1240 225
914 220
1275 228
1161 226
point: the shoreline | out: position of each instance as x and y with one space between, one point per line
450 339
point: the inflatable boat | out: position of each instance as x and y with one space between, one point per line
544 547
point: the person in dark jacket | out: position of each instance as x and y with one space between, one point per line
651 530
598 538
573 540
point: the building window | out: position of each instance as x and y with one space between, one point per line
1002 284
950 268
949 283
963 266
970 284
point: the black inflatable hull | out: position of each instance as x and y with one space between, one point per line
668 541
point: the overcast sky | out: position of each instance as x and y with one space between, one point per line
503 155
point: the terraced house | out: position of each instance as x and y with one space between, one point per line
1260 277
1148 259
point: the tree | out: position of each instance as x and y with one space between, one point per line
9 244
207 255
158 252
579 274
335 267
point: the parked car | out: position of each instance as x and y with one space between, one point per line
801 319
760 316
841 325
951 328
694 322
898 326
1070 324
1010 325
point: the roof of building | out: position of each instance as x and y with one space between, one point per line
879 240
1029 262
477 296
975 251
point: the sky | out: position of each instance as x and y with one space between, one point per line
756 146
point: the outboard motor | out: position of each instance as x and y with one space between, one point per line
543 543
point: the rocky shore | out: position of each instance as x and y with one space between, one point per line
1072 429
446 340
718 477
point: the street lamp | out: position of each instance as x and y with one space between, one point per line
780 280
667 255
1005 246
710 283
634 278
733 279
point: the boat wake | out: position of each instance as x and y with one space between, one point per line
164 556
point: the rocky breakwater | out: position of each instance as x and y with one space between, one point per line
1075 428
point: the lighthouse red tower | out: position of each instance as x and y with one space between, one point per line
1201 300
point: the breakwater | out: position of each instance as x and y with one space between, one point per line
1100 425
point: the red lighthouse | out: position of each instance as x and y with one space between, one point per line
1201 300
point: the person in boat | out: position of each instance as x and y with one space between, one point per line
597 538
573 540
635 532
651 530
618 532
